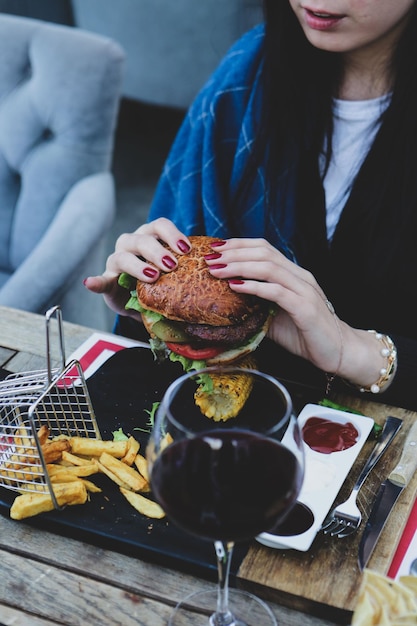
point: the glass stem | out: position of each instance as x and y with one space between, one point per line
223 616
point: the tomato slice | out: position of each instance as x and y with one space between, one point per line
196 354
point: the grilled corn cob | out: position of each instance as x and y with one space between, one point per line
228 395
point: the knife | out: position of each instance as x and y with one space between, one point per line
387 496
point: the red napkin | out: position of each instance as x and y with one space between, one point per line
408 534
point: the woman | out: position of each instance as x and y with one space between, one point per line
299 154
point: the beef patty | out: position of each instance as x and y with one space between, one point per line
232 335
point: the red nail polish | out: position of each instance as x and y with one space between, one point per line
168 262
236 281
218 266
215 244
150 272
212 256
183 245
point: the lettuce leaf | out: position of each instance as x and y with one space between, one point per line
119 435
127 281
187 364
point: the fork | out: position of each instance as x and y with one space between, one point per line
346 518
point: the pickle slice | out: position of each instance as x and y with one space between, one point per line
168 330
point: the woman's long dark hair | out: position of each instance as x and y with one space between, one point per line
299 81
299 84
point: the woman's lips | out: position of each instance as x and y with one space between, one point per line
320 20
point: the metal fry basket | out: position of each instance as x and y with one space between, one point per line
56 398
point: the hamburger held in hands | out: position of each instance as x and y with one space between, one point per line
197 319
192 316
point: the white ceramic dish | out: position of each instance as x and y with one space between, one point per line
324 476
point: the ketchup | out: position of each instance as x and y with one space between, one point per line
326 436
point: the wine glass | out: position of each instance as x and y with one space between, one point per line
225 480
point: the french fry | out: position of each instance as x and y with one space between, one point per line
95 447
13 472
132 449
69 460
43 434
36 487
126 475
63 477
104 470
166 440
142 465
19 459
73 459
76 470
23 438
30 504
52 450
143 505
91 487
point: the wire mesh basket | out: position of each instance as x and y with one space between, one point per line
57 398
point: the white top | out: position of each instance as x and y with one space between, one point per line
355 127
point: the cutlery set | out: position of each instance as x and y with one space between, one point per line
387 496
346 518
325 475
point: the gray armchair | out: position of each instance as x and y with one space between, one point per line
59 95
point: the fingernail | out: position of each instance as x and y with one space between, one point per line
183 245
168 262
212 256
218 266
150 272
236 281
85 281
215 244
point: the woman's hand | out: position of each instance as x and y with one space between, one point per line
142 255
305 323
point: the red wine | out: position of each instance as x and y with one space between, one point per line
227 484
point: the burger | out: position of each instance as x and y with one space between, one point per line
192 316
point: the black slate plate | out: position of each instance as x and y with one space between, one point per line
122 390
127 384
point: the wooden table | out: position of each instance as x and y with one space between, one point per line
48 579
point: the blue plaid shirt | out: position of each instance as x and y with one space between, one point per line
210 153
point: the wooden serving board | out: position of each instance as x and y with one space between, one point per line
325 580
